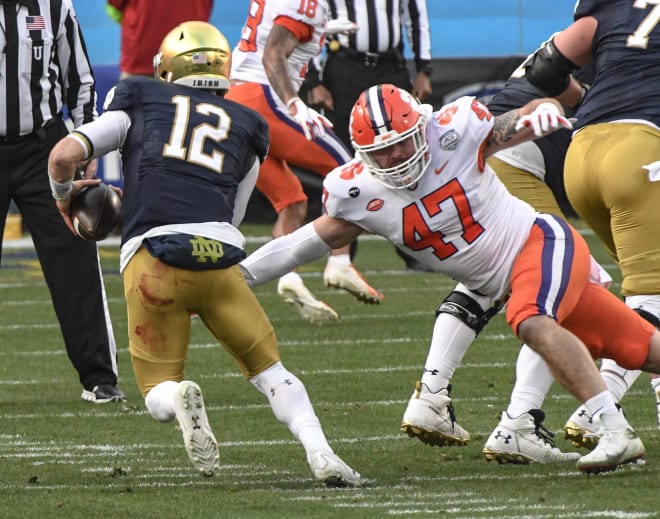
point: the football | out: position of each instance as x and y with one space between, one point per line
96 212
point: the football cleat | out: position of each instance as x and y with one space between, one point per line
103 394
618 444
198 438
430 417
580 429
294 291
524 440
346 277
329 468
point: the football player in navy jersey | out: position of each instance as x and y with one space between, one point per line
190 162
612 170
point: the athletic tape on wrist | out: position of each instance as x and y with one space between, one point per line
60 191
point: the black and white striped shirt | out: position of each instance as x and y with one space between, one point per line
43 66
381 23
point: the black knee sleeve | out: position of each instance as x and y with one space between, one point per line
466 309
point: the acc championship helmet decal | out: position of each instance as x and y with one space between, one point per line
385 115
196 54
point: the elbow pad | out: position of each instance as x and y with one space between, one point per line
549 70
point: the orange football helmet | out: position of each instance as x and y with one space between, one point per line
383 116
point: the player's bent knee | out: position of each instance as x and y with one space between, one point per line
466 309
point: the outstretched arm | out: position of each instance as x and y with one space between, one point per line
309 243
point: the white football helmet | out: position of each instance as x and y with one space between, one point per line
196 54
385 115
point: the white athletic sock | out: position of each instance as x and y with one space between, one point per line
291 405
339 260
160 401
655 384
451 339
291 276
601 403
617 379
533 381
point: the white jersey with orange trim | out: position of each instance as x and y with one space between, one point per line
459 219
248 54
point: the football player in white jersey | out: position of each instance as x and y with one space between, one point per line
420 179
279 39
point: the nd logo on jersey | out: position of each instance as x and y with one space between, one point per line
205 249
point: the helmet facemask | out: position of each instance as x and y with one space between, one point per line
385 116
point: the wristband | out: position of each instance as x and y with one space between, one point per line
60 191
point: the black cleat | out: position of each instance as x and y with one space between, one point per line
103 394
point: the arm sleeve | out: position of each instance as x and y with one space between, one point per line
279 256
243 193
106 134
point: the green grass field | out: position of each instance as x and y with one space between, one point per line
62 457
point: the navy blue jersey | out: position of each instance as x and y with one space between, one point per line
518 92
626 49
185 153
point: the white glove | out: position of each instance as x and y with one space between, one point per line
341 25
545 119
312 122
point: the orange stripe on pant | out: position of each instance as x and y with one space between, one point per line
288 145
551 277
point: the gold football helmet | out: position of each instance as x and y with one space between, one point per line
195 54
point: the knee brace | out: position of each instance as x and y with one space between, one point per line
468 310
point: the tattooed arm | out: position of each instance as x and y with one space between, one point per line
281 43
506 130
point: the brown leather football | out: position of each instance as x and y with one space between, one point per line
96 212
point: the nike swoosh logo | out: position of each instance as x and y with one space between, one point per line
439 170
615 457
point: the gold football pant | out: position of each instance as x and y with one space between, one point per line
160 300
526 186
611 191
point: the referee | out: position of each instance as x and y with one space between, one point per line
370 56
43 66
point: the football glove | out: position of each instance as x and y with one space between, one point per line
545 119
343 26
312 122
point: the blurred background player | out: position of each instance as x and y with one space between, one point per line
612 171
278 41
144 24
371 55
191 160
